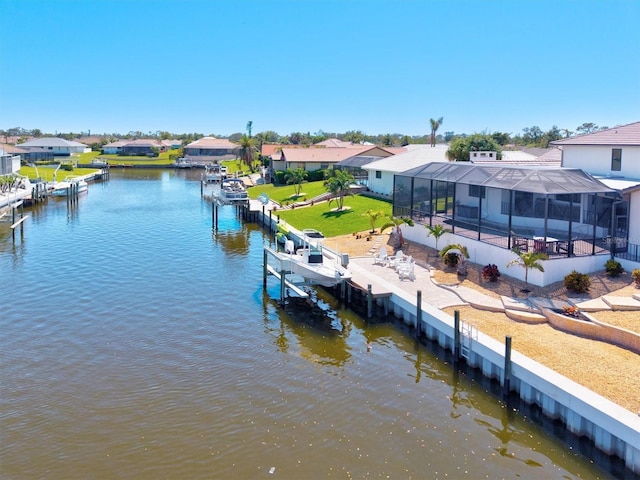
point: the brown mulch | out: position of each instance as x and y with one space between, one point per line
610 371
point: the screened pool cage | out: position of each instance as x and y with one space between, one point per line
560 212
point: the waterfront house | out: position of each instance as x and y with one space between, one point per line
143 146
114 148
208 150
54 145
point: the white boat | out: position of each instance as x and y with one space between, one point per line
215 173
182 163
310 262
233 190
62 189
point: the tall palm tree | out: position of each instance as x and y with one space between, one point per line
528 260
247 150
435 125
338 183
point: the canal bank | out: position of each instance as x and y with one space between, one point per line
610 429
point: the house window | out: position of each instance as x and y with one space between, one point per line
378 173
616 159
477 191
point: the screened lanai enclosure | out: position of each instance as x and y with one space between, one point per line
560 212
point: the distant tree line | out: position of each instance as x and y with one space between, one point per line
530 137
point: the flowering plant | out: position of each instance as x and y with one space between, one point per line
570 310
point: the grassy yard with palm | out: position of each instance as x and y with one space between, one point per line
325 218
287 193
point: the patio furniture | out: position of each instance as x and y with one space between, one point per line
545 244
382 257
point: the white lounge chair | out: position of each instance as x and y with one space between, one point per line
382 257
406 270
393 261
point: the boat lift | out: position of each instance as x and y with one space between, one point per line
280 274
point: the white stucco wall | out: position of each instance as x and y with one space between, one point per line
597 159
483 253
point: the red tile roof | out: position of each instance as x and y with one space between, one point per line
325 155
621 135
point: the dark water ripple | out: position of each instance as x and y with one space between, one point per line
141 345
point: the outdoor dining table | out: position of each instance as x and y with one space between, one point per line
545 244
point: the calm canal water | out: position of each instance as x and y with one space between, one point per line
136 343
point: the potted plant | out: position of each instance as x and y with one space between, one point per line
635 274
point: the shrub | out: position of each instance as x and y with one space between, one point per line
577 282
636 277
451 259
490 272
614 268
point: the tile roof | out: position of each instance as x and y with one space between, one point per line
328 154
621 135
333 143
414 157
12 149
51 142
212 142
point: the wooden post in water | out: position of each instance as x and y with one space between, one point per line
343 287
264 268
369 302
456 336
418 314
270 222
506 383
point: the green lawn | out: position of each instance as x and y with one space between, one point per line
161 159
332 223
286 193
46 172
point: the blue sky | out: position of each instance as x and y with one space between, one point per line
378 66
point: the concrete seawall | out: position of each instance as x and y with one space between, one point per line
613 430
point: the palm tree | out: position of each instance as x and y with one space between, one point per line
528 260
295 177
373 215
247 150
437 231
435 125
396 222
338 184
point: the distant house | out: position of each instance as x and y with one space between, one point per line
320 158
143 146
114 148
56 146
210 150
10 159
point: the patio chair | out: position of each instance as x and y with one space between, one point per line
403 262
382 257
406 270
392 261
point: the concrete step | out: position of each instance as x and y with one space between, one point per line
636 296
593 305
523 305
621 303
526 317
